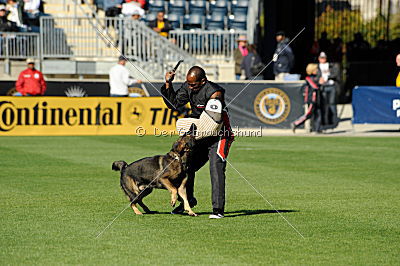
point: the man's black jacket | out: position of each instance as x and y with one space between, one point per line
167 25
198 99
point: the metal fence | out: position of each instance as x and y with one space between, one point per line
219 44
18 45
94 38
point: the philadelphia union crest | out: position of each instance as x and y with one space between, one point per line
272 106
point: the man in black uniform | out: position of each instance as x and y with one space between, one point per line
198 90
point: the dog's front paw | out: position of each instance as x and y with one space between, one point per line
173 202
174 198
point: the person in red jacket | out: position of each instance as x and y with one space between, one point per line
30 81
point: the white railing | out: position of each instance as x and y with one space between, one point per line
207 44
19 45
84 37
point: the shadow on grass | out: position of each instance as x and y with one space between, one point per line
253 212
232 213
384 131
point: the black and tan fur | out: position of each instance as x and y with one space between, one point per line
161 171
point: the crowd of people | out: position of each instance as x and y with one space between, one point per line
20 15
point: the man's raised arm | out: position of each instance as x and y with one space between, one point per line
171 98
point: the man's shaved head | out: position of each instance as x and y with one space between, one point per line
196 78
196 72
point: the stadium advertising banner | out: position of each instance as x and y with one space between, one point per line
251 105
376 105
26 116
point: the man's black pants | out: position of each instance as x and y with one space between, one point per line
204 150
329 112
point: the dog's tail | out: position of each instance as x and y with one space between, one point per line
119 165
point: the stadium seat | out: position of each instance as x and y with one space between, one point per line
193 21
237 25
220 6
217 16
240 17
156 5
215 25
239 7
175 19
177 7
197 7
150 16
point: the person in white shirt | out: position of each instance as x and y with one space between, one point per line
15 14
328 78
31 8
120 79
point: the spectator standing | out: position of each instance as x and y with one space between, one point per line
358 49
398 69
120 79
5 24
312 96
328 77
30 81
240 52
283 57
250 63
337 50
161 24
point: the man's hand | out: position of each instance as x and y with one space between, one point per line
321 80
169 76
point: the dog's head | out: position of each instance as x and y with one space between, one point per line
184 144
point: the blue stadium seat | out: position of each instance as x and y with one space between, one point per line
220 6
194 20
197 7
215 25
240 17
237 9
237 25
177 7
150 16
217 16
156 5
175 19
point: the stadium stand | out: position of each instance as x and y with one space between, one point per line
75 39
156 5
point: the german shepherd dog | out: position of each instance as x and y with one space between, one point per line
161 171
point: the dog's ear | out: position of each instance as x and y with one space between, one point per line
192 130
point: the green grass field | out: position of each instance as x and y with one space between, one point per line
342 194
